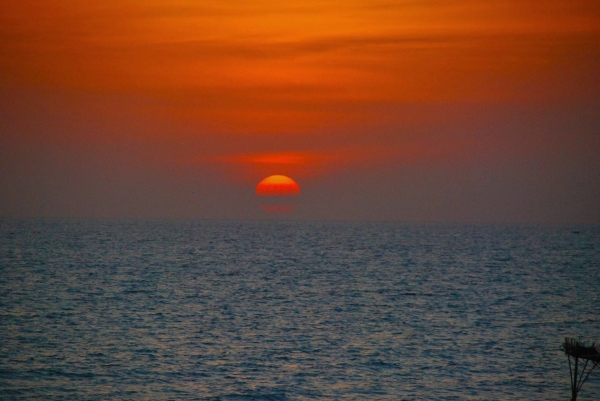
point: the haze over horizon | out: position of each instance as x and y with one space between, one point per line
380 110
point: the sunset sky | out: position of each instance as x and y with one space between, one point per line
400 110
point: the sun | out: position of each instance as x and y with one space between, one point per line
278 185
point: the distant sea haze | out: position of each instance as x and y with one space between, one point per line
274 310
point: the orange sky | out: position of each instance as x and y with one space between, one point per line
306 88
266 67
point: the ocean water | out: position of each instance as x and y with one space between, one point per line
208 310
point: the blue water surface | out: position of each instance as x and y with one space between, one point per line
224 310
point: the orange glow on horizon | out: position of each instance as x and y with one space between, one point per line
303 164
278 158
277 185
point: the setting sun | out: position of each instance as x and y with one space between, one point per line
278 185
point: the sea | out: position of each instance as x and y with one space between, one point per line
289 310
